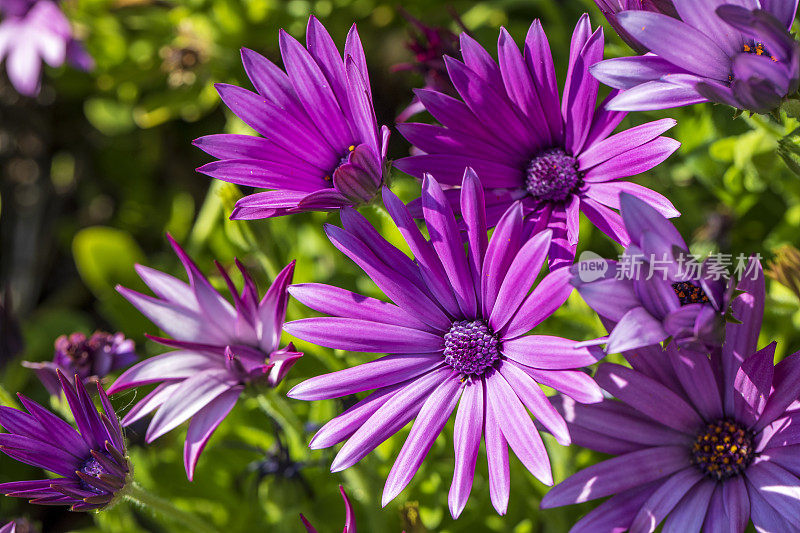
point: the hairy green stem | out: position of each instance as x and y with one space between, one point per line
135 494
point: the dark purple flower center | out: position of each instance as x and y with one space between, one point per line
471 347
553 175
94 469
80 354
723 449
689 293
342 161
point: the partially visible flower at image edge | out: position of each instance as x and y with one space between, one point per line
701 442
91 461
716 52
610 9
349 520
33 31
220 348
91 359
321 147
654 293
456 333
557 157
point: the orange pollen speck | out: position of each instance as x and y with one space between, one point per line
758 50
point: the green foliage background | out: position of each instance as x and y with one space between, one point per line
101 166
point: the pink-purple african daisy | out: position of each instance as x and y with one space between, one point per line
553 155
457 335
701 443
321 147
220 349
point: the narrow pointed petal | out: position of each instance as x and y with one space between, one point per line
429 423
616 475
376 374
203 425
518 428
466 442
648 397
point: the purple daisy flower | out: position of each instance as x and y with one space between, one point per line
91 461
555 157
740 55
220 349
349 518
709 443
11 527
322 149
456 332
656 292
91 359
610 8
33 31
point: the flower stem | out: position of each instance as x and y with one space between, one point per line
135 494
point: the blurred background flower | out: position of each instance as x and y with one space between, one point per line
36 31
91 359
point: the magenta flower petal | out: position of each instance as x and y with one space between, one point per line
616 475
549 353
547 296
518 428
445 238
697 376
785 389
376 374
664 499
497 461
349 517
690 513
615 513
783 11
388 419
203 425
520 277
741 339
648 397
753 383
427 426
193 395
466 443
363 335
535 400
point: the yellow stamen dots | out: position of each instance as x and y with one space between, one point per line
723 449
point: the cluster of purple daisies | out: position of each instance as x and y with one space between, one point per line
701 424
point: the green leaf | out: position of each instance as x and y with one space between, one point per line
789 150
105 257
